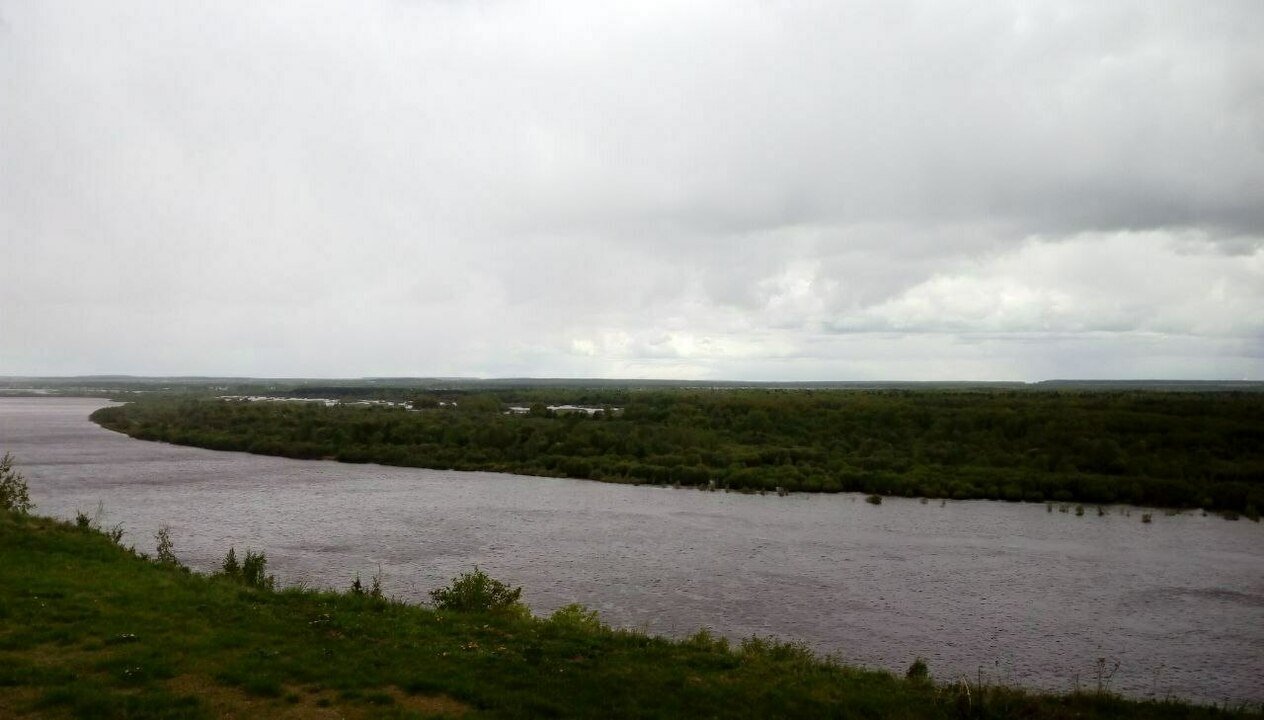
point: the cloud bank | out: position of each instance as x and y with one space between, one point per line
738 190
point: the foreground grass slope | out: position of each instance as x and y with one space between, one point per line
88 629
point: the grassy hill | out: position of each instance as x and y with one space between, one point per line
89 629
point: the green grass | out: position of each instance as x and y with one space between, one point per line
90 630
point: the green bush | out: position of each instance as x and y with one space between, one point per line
254 570
477 592
166 549
231 567
14 494
576 617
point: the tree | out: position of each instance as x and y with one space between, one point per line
14 494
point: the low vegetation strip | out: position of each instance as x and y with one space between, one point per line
89 629
1146 448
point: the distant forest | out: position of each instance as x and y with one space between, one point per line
1167 449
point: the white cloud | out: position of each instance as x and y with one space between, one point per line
716 189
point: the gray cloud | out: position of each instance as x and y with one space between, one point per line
745 189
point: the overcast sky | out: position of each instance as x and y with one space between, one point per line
710 190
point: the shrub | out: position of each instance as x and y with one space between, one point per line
254 570
477 592
232 568
375 589
14 494
874 499
918 671
575 617
166 550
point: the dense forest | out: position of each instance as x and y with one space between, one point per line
1148 448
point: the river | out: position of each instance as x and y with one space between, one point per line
1006 591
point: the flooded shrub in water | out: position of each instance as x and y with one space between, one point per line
477 592
14 494
874 499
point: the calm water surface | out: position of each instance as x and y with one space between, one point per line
1020 594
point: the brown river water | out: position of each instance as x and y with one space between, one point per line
1006 591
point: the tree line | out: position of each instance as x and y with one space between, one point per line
1148 448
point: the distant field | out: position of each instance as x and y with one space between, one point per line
1170 449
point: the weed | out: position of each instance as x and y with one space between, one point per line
115 534
874 499
918 671
1146 517
1079 511
93 523
1104 675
